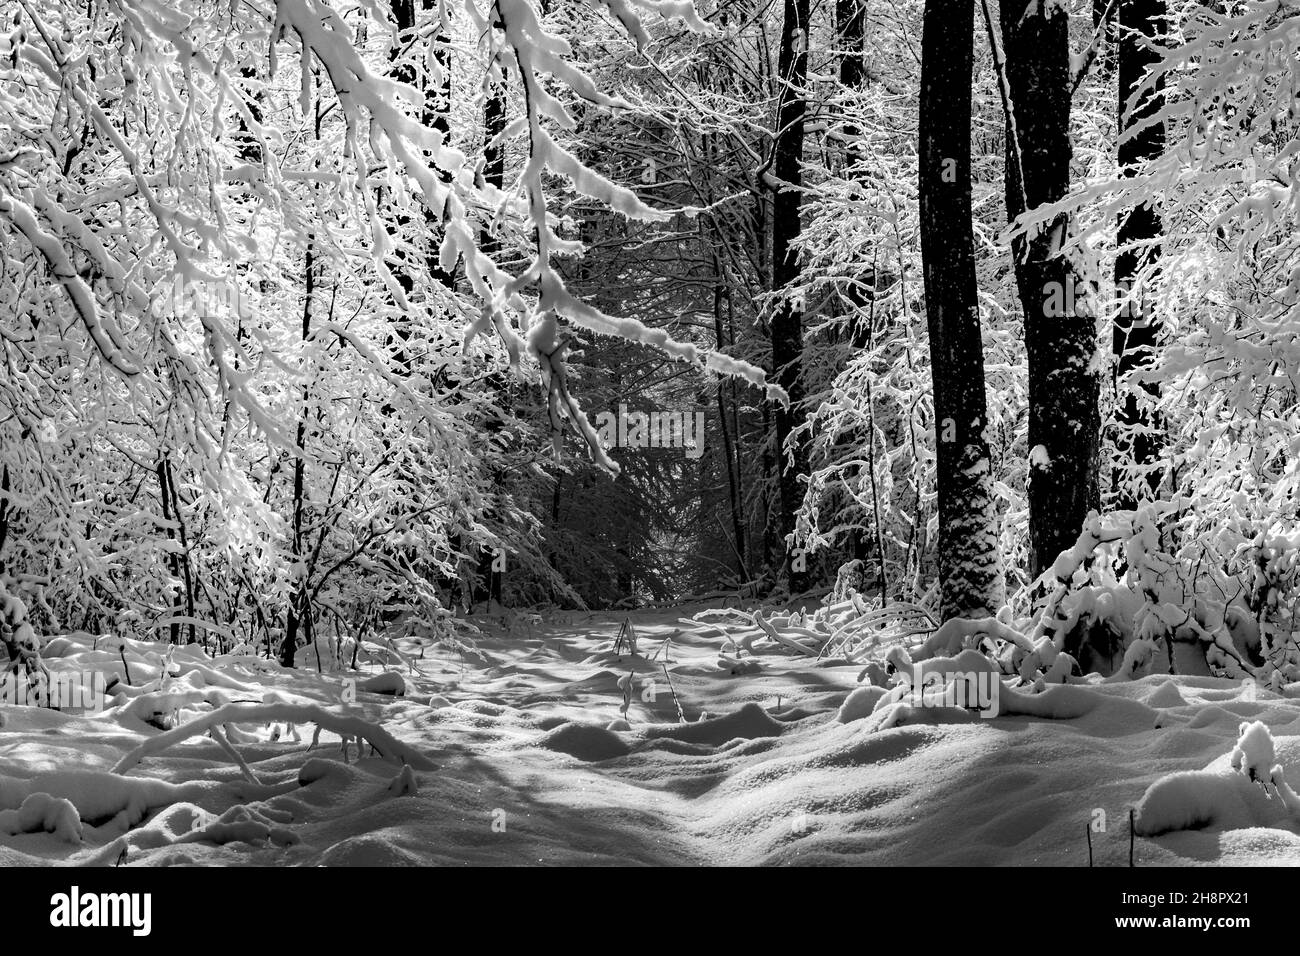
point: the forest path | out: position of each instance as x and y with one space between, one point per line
528 771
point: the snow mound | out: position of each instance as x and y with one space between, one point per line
1166 695
96 795
748 722
242 824
41 813
859 704
1238 790
900 713
404 784
588 742
1196 799
1254 753
389 682
370 849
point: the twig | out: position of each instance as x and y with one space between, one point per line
1093 47
626 637
1130 836
681 715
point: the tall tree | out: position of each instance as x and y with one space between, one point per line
490 571
436 113
970 567
787 322
1060 335
299 612
849 23
850 17
1142 30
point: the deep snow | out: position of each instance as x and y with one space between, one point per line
520 757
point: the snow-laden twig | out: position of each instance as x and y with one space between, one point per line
103 331
23 644
343 724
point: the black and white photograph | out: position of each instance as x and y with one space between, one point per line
650 433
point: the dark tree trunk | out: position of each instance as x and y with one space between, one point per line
494 174
300 601
5 513
970 569
1060 334
179 517
494 154
1136 328
729 461
297 603
1103 22
849 22
435 114
173 558
714 239
787 322
849 27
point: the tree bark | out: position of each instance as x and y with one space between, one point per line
297 605
713 238
787 322
173 559
435 115
5 513
494 174
970 568
1060 332
849 27
1136 328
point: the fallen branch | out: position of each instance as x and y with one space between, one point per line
225 745
781 639
380 740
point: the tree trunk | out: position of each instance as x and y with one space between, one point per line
849 17
297 604
185 546
5 513
787 322
299 601
435 115
970 568
494 173
1136 327
849 27
1103 23
1060 334
713 239
173 558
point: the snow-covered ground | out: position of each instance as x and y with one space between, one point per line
520 758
